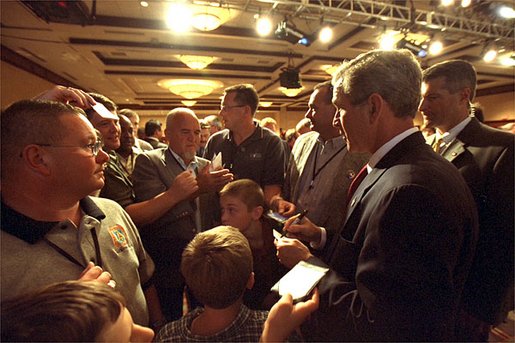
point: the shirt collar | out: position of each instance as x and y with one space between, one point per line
256 135
30 230
382 151
450 135
333 143
181 161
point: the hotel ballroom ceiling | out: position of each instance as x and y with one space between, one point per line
122 49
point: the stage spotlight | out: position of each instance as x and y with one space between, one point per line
289 78
411 46
291 34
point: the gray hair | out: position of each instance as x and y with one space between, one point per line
395 75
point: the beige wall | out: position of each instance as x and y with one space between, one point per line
17 84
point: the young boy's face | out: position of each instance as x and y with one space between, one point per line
235 213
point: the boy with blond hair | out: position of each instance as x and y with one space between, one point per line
242 204
217 267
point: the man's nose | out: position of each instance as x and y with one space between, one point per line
102 157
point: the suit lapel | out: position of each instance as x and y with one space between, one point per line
362 190
402 148
454 149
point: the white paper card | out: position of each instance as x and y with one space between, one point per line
216 162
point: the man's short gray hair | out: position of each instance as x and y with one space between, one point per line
395 75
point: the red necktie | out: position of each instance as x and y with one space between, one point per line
356 181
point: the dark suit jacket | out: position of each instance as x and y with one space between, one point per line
166 238
484 157
156 144
399 262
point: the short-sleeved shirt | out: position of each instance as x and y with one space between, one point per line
246 327
30 256
260 157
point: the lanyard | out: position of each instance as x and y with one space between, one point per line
316 172
72 259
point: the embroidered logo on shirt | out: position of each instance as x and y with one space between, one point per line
118 236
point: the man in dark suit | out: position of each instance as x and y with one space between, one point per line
484 157
399 262
155 172
154 133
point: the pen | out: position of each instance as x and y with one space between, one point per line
297 221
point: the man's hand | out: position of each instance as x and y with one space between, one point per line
213 181
291 251
73 96
284 317
283 207
184 185
306 231
96 273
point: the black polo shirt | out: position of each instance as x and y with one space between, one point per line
260 157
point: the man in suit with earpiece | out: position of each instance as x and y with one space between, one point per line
485 158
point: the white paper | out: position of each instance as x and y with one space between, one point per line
216 162
300 280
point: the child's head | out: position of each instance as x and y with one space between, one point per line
242 202
217 266
71 311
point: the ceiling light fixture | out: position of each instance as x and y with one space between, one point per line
190 88
466 3
388 40
189 103
435 47
291 92
206 21
179 18
263 26
143 3
506 12
490 55
330 69
197 62
447 3
326 34
265 103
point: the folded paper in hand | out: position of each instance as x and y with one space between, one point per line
300 280
216 162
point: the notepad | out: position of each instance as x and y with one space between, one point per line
300 281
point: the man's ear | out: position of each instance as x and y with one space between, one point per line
257 212
375 103
36 158
251 280
465 94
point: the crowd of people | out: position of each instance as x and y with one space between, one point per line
112 235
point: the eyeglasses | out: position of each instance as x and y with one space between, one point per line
227 107
94 148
